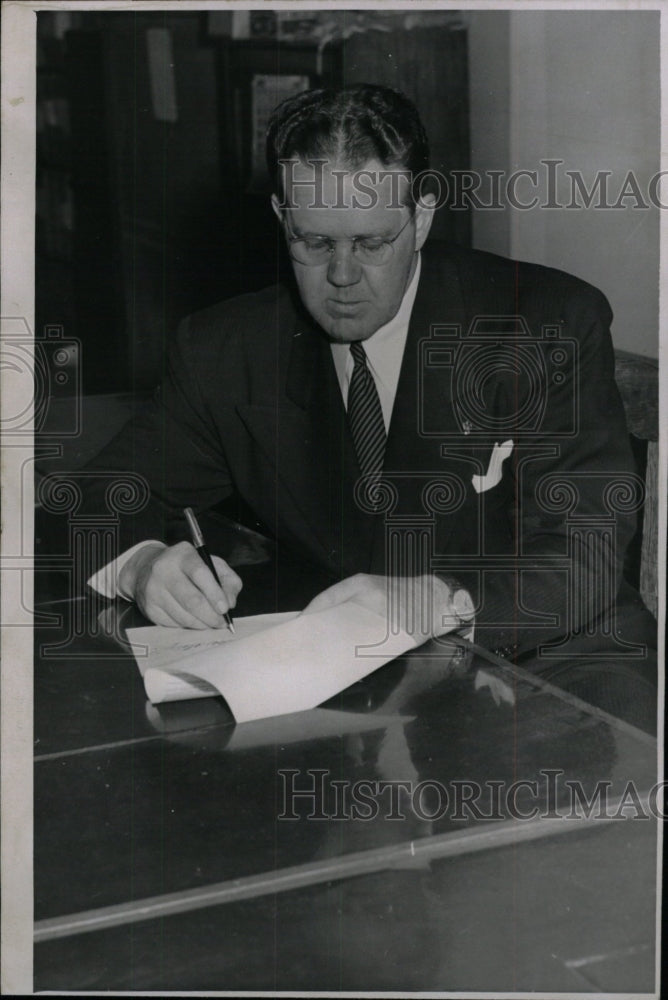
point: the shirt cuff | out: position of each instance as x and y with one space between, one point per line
105 580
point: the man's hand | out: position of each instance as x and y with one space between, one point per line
172 586
421 605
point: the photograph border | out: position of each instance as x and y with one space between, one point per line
17 276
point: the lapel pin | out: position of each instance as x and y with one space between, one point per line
467 427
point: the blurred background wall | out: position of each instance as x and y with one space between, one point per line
582 87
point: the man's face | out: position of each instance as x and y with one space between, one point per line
347 297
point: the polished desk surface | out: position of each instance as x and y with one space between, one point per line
161 861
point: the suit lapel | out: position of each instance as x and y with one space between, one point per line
423 416
438 303
343 529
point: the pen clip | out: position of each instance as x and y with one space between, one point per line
197 536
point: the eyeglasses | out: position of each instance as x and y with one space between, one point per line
315 250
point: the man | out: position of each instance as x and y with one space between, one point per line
438 430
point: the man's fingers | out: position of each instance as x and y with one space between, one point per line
178 589
181 610
220 598
231 581
164 609
159 616
194 603
202 590
198 592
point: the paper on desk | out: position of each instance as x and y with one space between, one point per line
158 646
275 664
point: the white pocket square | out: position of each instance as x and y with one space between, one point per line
500 453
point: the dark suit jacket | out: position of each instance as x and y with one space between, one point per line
496 350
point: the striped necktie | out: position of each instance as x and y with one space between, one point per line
365 414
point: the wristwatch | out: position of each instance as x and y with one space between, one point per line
461 603
462 606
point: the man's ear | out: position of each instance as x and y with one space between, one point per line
424 216
276 205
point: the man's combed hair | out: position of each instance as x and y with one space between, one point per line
350 126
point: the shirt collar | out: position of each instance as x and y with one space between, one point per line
385 348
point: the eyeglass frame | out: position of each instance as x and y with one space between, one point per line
291 239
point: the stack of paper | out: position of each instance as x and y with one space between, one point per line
272 664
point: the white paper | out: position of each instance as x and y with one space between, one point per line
274 665
159 646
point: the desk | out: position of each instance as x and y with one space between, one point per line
171 852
